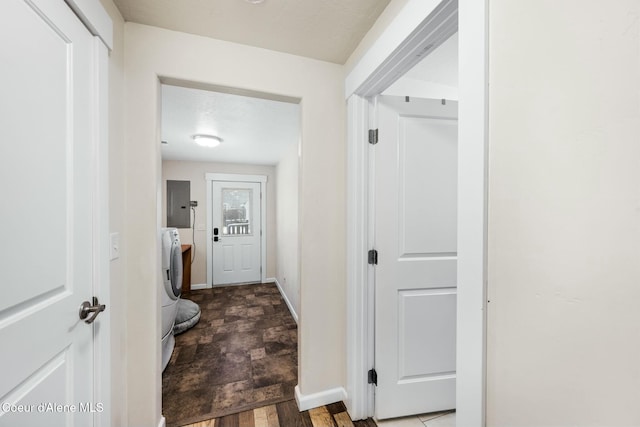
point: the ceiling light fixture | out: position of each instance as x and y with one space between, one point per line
255 1
207 140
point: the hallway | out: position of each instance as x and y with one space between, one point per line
241 355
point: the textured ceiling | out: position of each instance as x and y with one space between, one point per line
328 30
254 130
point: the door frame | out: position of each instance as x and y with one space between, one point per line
420 26
101 240
98 22
228 177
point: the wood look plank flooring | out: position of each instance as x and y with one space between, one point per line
342 419
241 355
320 417
286 414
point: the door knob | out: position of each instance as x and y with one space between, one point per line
95 309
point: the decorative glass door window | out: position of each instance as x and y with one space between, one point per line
236 212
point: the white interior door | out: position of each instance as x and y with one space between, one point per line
46 158
415 236
236 218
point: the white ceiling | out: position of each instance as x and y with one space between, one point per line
254 130
328 30
258 131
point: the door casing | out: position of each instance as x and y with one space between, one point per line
419 24
262 179
93 15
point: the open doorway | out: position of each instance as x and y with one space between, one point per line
242 240
415 235
459 282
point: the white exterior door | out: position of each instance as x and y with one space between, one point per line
415 275
48 131
236 218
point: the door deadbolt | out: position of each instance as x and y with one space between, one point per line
95 309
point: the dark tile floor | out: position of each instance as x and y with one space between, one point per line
242 354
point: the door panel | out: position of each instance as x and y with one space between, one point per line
227 263
247 252
415 235
427 218
420 313
46 171
33 41
236 212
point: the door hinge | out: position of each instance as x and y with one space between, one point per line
373 136
372 377
373 257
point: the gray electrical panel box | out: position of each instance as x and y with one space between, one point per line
178 196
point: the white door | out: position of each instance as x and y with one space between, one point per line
47 131
415 275
236 219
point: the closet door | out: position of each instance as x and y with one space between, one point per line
415 236
47 173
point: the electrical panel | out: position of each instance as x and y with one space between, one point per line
178 206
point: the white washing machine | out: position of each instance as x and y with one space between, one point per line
171 285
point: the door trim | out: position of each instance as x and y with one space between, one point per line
95 18
393 51
360 285
228 177
101 259
98 22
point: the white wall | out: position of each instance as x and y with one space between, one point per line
195 173
151 52
287 226
564 213
116 219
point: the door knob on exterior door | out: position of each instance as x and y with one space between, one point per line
95 309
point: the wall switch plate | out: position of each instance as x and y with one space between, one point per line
114 246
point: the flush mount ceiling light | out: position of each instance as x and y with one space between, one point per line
254 1
207 140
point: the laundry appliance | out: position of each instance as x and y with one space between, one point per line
171 286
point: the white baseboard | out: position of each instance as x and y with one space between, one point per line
309 401
163 422
200 286
286 300
270 280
